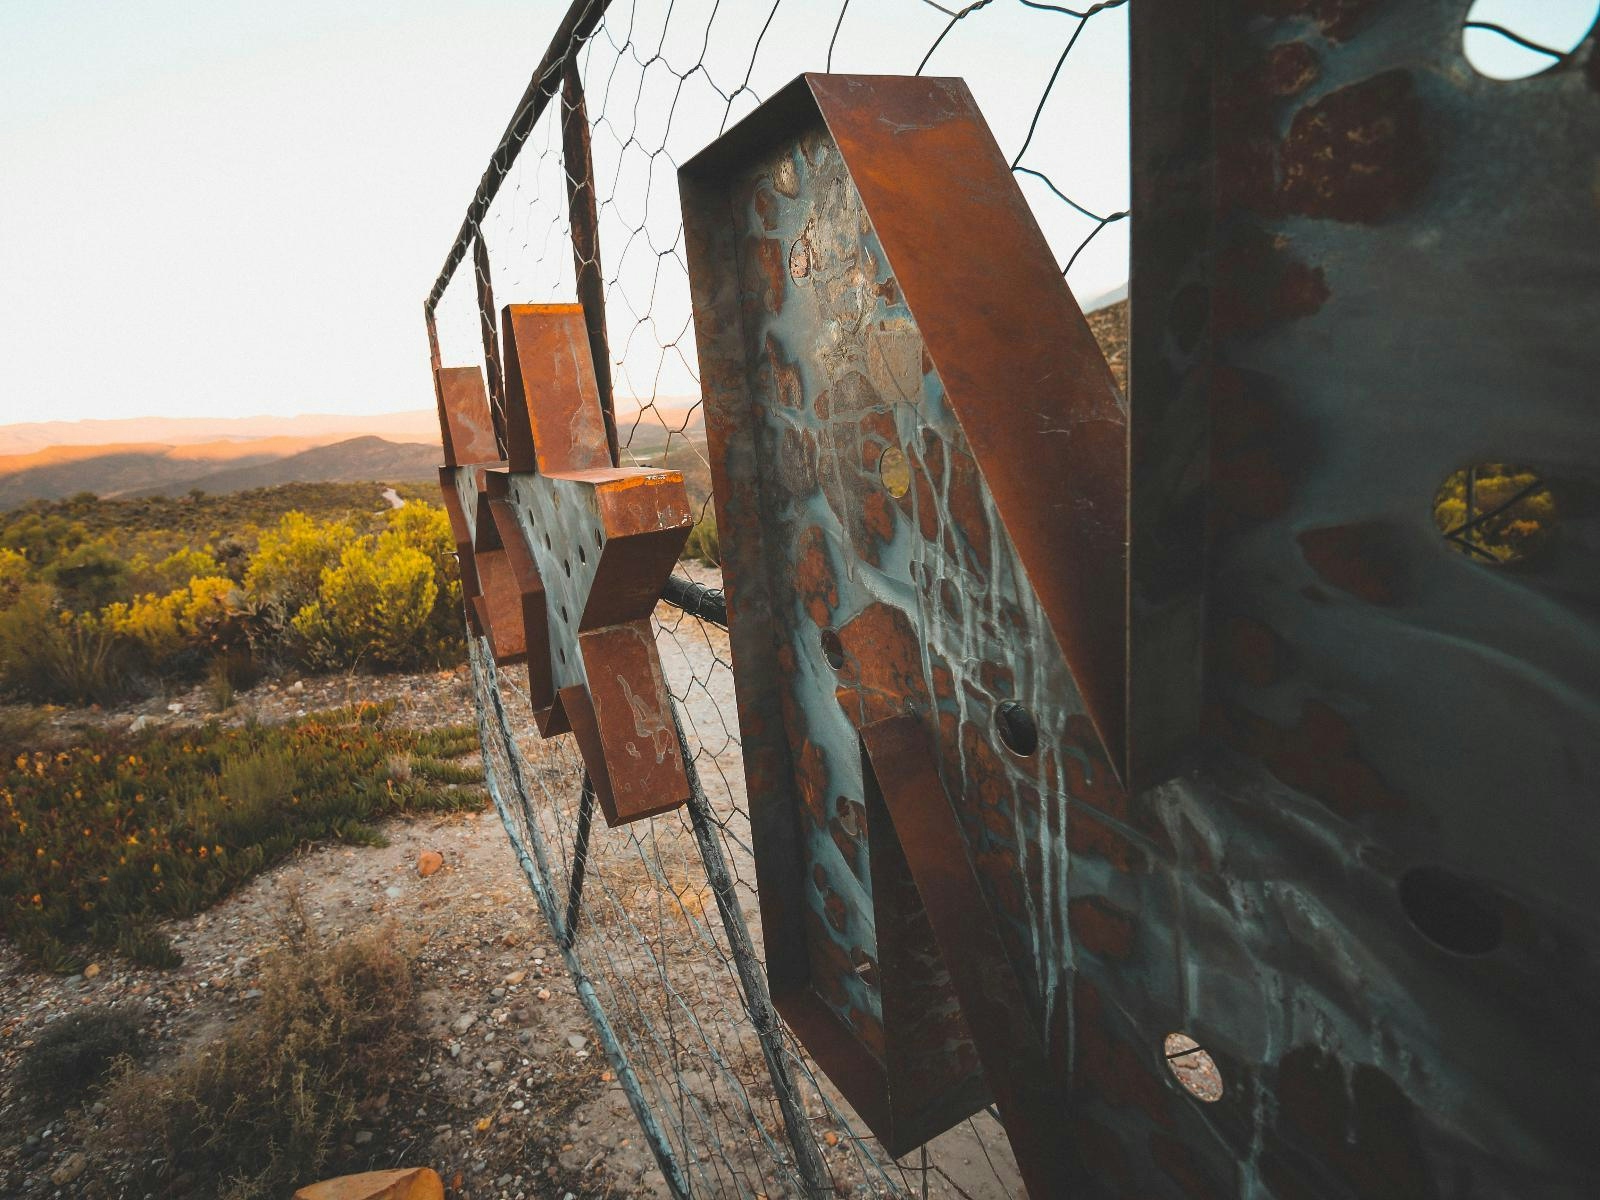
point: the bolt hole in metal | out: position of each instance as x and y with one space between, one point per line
833 649
1193 1067
1018 731
895 471
547 544
583 556
1516 39
1497 514
1453 912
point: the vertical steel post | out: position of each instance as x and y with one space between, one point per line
487 320
585 220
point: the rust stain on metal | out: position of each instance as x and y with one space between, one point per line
1358 153
908 494
563 557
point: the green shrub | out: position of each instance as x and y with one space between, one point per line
703 545
266 1108
76 1052
98 845
89 576
373 608
51 655
290 560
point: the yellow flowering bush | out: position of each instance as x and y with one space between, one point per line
98 844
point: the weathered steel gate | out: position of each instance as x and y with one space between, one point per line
1203 774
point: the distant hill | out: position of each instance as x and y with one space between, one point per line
352 461
322 429
134 470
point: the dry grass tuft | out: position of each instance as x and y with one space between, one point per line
271 1105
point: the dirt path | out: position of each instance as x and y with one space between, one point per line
510 1097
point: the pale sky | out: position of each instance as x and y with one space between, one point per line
230 209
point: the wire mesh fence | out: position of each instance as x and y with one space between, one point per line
658 920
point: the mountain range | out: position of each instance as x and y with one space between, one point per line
136 456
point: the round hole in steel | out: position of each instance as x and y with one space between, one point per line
894 469
1497 514
1018 731
1453 912
1193 1067
833 649
1516 39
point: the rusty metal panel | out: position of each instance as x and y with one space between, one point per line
922 512
594 545
1360 270
464 423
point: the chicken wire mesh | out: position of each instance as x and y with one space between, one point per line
658 921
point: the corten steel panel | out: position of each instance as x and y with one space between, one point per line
924 512
553 401
1359 267
563 557
464 424
595 544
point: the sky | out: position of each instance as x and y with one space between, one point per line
229 209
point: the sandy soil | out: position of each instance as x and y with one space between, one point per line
511 1096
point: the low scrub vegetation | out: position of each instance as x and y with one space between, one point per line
97 844
90 615
703 545
273 1104
78 1051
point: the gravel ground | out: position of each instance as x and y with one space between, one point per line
510 1097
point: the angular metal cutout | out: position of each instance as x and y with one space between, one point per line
920 467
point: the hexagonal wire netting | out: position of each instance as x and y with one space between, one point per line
658 921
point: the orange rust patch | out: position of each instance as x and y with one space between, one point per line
1118 1073
1100 927
1361 559
1318 757
813 578
1359 153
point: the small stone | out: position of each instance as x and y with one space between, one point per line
392 892
251 993
428 862
495 1067
831 1138
515 978
174 707
139 723
577 1041
543 993
498 993
91 970
70 1169
363 1136
298 686
407 1183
